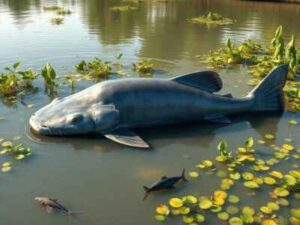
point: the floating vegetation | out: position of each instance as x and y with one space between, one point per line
132 1
94 69
63 12
15 82
212 19
254 173
144 66
49 75
57 20
261 60
51 8
123 8
18 152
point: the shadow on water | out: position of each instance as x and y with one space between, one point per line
189 134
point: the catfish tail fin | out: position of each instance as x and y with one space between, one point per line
268 94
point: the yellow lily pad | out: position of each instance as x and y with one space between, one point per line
5 164
232 210
276 174
194 174
176 202
247 210
273 206
162 210
269 180
251 184
268 222
265 209
223 216
288 147
281 192
233 199
191 199
160 218
188 219
199 218
269 136
205 203
6 169
248 176
235 221
7 144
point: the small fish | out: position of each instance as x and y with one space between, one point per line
52 204
165 183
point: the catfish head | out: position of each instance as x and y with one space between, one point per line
72 116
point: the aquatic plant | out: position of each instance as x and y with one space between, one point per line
49 75
253 172
132 1
18 152
13 80
123 8
94 69
242 54
57 20
51 8
144 66
63 12
212 19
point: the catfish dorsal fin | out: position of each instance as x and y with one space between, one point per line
206 80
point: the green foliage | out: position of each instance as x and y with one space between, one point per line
13 81
228 55
57 20
63 12
123 8
51 8
212 19
49 75
144 66
94 69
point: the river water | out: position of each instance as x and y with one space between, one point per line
92 174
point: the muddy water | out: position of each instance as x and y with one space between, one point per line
92 174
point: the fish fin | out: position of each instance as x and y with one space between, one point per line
146 188
268 94
49 209
145 196
163 177
229 95
183 176
205 80
217 118
126 137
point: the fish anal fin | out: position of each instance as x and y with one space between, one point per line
126 137
163 177
217 118
206 80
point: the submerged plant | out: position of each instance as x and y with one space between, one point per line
144 66
212 19
95 68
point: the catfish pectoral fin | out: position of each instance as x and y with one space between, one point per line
126 137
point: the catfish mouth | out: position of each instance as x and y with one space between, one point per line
38 127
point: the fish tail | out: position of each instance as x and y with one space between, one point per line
268 94
183 176
145 196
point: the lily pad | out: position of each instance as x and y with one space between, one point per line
176 202
205 203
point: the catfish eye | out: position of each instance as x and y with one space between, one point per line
77 119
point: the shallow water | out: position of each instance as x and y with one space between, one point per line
92 174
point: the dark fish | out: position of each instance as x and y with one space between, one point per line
165 183
52 204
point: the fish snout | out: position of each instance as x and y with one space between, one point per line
37 126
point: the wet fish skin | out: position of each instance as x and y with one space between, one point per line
52 204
